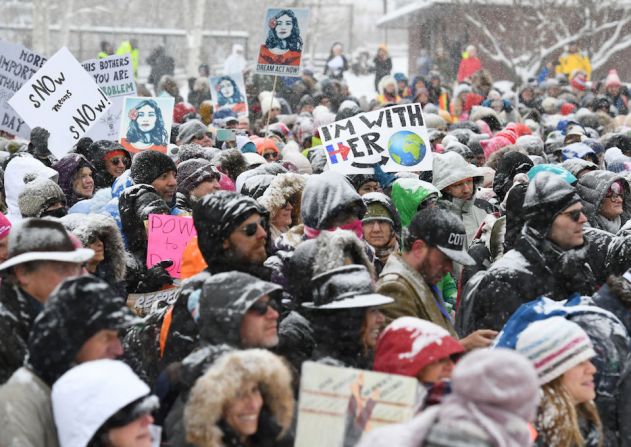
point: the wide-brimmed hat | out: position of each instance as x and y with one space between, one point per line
345 287
43 240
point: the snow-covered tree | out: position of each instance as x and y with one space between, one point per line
602 28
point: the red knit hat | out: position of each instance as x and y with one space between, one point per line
567 108
409 344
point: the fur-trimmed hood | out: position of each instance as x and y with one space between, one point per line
224 381
593 187
284 188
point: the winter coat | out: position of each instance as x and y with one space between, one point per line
533 268
18 311
413 297
471 212
14 183
26 413
221 310
161 65
593 187
468 66
383 67
624 407
486 248
224 382
67 167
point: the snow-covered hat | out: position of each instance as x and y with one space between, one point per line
86 396
554 346
408 344
612 78
345 287
42 240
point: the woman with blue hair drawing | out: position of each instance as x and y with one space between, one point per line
229 96
283 45
146 129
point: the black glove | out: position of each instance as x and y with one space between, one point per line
156 277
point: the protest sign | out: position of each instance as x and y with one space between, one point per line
62 98
350 402
143 303
228 92
115 76
146 123
17 65
393 137
281 52
167 239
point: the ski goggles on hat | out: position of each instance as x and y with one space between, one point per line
615 190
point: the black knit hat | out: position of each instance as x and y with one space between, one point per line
547 196
149 165
78 309
193 172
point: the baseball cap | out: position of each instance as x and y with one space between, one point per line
441 229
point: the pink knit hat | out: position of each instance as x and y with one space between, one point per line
5 226
613 80
494 145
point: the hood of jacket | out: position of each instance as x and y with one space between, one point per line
284 188
67 168
593 187
325 196
450 167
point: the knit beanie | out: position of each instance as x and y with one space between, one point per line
149 165
38 195
5 226
189 130
193 172
547 196
410 344
554 346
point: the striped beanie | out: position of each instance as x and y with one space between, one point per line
554 346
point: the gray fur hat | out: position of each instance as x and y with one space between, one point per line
37 195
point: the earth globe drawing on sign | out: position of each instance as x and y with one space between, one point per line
406 148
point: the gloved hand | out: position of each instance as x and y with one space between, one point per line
156 277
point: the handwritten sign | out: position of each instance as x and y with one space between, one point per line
62 98
167 239
17 65
144 303
350 402
115 77
394 138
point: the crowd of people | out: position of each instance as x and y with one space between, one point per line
500 280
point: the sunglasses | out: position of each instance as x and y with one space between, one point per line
250 229
118 160
615 191
270 156
574 215
260 307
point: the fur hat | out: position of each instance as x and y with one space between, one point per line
149 165
224 381
554 346
38 195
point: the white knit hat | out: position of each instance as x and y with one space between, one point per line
554 346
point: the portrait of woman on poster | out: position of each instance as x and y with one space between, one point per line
283 45
229 95
146 129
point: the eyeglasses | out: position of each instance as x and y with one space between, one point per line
250 229
575 215
615 191
260 307
118 160
270 156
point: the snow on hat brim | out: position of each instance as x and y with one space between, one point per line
369 300
459 256
77 256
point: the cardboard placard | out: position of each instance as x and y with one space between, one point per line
143 303
62 98
394 138
281 50
167 239
350 402
228 92
17 65
115 76
145 123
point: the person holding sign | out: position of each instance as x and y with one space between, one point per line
229 95
146 129
283 45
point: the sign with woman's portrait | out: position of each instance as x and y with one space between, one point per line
146 123
228 92
281 52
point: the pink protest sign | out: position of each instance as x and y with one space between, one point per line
167 238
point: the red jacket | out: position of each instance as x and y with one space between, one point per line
467 67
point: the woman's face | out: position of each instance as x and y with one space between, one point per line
284 25
99 250
337 49
146 118
612 205
226 88
115 166
374 321
282 219
242 413
83 184
579 382
436 371
135 434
